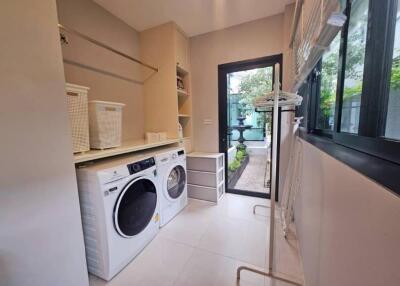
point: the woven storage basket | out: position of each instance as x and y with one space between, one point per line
105 124
77 102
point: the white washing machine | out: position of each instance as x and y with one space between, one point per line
120 211
171 167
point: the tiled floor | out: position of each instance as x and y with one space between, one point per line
253 176
206 243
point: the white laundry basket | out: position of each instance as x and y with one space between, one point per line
77 102
105 124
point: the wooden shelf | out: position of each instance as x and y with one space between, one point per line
127 147
182 115
182 92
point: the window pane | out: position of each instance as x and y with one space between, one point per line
354 68
327 99
393 111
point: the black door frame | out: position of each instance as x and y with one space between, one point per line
223 70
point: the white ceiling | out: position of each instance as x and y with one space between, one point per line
193 16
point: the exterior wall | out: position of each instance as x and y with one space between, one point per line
246 41
41 239
89 18
347 225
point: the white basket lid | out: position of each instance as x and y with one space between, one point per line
108 103
76 87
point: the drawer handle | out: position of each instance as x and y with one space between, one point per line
72 93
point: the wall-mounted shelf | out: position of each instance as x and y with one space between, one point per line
127 147
182 92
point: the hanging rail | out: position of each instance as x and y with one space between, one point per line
72 31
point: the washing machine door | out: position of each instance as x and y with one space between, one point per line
176 182
135 206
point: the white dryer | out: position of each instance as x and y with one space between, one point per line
120 211
171 167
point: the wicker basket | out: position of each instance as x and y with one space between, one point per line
77 102
105 124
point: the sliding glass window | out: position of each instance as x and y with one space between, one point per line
328 83
354 66
354 91
392 129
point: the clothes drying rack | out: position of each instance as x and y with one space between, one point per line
275 99
293 183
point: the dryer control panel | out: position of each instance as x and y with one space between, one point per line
141 165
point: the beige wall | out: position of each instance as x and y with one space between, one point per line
41 240
88 18
246 41
348 226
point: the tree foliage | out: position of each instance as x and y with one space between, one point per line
395 76
253 85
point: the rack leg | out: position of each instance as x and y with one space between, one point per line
261 206
268 274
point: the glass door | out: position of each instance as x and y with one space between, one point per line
245 133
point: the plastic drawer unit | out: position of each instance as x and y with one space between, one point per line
206 176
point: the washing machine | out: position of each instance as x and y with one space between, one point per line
171 167
120 211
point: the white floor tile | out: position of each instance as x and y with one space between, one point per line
189 226
158 265
206 243
241 207
205 268
240 239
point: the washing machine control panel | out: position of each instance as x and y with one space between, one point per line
141 165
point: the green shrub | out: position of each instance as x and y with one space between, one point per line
241 154
234 165
241 147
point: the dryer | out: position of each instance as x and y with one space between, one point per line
120 211
171 167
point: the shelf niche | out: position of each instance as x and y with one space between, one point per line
167 47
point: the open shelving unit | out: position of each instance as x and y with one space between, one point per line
184 103
168 103
126 147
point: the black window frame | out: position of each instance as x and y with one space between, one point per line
380 41
369 141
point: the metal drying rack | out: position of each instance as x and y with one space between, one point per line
275 99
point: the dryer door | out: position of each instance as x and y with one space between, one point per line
176 181
135 206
